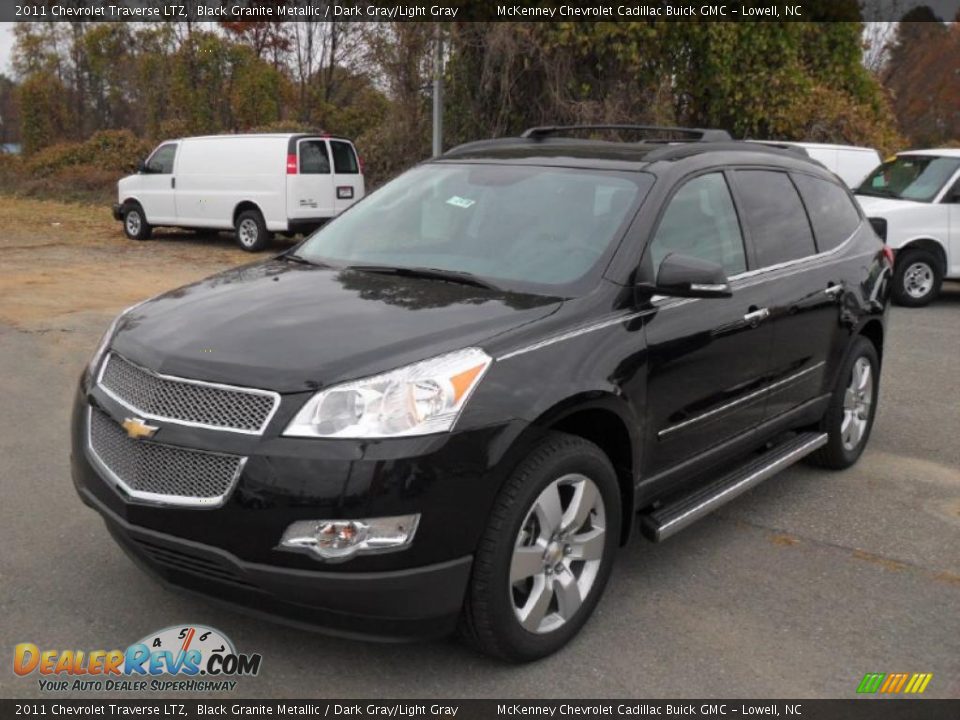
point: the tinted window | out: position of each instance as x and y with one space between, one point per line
701 222
161 161
313 158
517 226
344 159
778 224
830 209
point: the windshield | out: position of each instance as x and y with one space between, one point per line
530 228
910 177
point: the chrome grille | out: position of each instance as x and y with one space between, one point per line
161 473
189 402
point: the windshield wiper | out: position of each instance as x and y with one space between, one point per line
876 192
427 273
300 259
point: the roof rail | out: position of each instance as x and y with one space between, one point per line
689 134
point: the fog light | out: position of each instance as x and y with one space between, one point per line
342 539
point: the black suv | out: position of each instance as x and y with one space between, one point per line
449 406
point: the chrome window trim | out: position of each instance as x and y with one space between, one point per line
158 498
576 332
739 401
173 378
804 259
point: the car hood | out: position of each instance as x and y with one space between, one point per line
290 327
880 206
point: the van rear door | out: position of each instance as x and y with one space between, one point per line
310 192
348 177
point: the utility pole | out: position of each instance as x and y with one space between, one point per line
438 93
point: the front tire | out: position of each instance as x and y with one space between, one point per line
135 224
547 552
916 278
853 406
252 234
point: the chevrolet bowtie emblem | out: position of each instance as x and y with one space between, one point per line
138 429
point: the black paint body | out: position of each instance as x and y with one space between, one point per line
626 369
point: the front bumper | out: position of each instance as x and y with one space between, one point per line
230 552
117 211
399 605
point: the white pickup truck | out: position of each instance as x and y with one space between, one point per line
913 202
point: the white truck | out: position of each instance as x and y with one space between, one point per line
850 163
256 184
913 202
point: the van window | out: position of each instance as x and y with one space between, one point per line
910 177
701 222
313 158
831 211
161 162
779 228
344 159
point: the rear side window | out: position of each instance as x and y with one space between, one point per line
313 158
778 223
701 222
831 211
161 162
344 159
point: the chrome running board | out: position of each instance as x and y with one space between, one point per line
669 519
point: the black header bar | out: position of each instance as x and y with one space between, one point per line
465 11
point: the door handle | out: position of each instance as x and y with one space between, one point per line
833 290
755 317
173 182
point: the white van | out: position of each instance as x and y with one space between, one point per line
913 202
849 162
255 184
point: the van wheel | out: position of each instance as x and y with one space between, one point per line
916 278
849 416
135 224
252 233
546 554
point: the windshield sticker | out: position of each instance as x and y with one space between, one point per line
460 202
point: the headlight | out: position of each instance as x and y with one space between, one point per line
419 399
98 354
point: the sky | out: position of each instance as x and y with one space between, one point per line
6 45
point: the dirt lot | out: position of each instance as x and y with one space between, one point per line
60 260
795 590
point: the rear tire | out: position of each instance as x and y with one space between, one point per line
135 224
853 406
916 278
545 557
252 234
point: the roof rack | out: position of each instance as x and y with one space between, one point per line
687 134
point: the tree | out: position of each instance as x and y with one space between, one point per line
922 75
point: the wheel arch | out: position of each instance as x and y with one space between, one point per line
931 245
873 331
243 206
607 422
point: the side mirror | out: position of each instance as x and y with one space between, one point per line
685 276
142 166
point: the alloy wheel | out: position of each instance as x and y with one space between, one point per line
857 401
558 553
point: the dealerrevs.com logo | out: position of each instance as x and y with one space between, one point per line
179 658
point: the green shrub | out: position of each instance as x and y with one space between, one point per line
118 151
